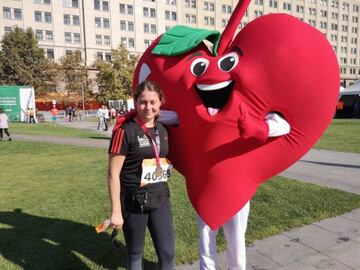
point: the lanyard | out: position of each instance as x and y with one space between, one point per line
147 132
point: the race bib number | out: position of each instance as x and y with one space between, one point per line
149 176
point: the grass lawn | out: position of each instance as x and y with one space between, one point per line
342 135
51 196
47 129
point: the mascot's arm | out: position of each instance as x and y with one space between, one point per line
251 127
169 118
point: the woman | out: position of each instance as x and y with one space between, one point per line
136 154
4 126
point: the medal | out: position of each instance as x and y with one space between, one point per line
158 171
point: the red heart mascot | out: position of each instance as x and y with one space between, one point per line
276 63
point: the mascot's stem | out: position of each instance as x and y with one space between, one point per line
230 29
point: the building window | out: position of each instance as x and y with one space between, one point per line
75 3
131 43
97 22
98 39
48 17
107 40
356 8
124 41
152 13
105 6
153 29
130 26
50 53
146 12
6 13
299 9
67 19
99 56
171 2
287 6
170 15
49 35
77 38
106 23
258 2
7 29
122 9
76 20
228 9
224 22
273 4
67 37
345 6
108 57
147 43
39 34
17 14
146 28
123 25
37 1
97 4
38 17
71 3
130 9
47 2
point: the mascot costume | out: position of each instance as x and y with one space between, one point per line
277 63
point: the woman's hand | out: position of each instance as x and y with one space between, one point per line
116 221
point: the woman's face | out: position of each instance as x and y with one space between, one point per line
148 105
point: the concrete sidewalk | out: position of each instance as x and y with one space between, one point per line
332 243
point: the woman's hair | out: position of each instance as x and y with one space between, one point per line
151 86
1 110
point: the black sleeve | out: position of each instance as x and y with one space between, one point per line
120 142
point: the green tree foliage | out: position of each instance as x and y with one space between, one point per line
115 77
75 74
23 62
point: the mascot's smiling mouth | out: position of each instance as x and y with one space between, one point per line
215 96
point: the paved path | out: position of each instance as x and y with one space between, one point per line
332 243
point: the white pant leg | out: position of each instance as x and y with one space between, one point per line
207 246
234 231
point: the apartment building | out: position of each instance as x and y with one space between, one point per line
96 26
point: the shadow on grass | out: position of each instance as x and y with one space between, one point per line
34 242
100 138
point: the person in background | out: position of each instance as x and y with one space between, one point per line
106 118
54 115
31 115
137 165
4 125
100 117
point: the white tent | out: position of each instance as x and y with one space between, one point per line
352 90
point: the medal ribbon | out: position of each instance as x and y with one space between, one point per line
147 132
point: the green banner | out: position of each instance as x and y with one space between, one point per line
10 101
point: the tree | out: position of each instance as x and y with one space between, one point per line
23 62
115 77
75 74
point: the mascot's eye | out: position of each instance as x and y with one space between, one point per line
228 62
199 66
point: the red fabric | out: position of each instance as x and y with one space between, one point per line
287 66
124 118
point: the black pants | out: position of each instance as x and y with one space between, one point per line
161 228
6 131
